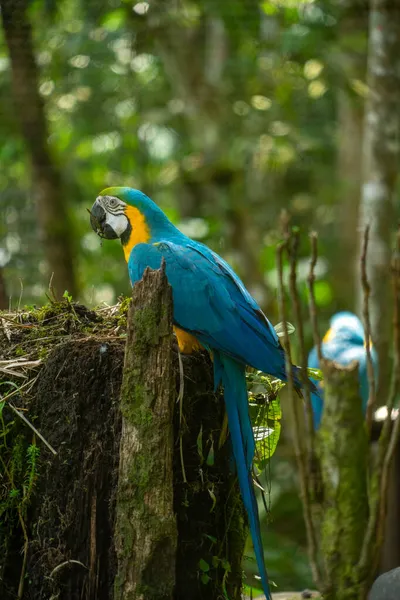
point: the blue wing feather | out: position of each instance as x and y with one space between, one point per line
210 303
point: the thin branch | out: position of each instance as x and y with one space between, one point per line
293 253
313 304
25 555
367 326
311 536
21 416
390 436
180 400
65 564
395 386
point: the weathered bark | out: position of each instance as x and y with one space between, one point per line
75 406
46 179
343 453
352 26
145 530
380 166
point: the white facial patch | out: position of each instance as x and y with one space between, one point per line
119 223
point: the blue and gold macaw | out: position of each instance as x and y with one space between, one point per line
343 343
211 309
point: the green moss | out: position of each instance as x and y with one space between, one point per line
146 327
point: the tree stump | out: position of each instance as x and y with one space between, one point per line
76 517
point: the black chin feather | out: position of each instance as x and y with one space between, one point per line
127 234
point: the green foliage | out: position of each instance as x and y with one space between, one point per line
266 414
18 473
226 113
242 108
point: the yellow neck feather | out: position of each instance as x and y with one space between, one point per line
140 233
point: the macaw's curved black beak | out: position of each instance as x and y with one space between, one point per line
98 221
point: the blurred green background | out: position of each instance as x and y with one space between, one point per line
225 113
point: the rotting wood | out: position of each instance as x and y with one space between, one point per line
145 530
72 397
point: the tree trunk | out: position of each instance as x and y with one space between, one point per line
3 291
380 166
145 529
352 25
46 179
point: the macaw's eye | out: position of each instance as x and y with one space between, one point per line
113 202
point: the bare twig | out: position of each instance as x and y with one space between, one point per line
25 420
389 437
395 384
293 253
311 535
180 400
52 294
367 326
65 564
25 555
20 295
313 304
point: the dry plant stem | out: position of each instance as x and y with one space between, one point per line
180 400
313 305
65 564
21 416
25 555
303 472
395 384
367 325
20 592
389 437
293 253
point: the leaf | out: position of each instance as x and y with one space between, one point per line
260 433
315 374
114 19
211 537
67 296
214 499
210 456
268 431
205 578
226 565
204 566
215 561
279 328
274 411
272 440
200 445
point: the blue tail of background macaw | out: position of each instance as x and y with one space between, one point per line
232 375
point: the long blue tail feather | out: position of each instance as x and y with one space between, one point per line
232 375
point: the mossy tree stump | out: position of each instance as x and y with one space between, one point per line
146 531
342 448
196 522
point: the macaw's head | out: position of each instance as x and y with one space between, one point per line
128 214
346 327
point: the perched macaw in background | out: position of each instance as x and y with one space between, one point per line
211 309
343 343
